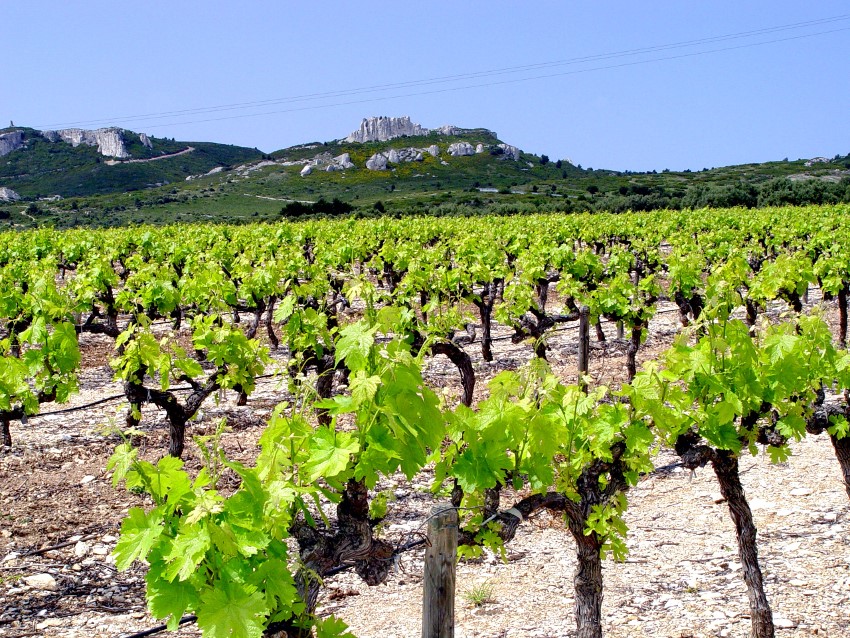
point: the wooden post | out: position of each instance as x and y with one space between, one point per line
583 346
438 598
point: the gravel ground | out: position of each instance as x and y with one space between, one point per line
681 578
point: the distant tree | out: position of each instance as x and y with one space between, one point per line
593 189
379 206
544 159
558 164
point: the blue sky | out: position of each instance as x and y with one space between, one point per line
96 63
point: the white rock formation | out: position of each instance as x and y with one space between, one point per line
378 162
145 140
344 161
8 195
109 141
11 141
433 150
330 164
811 162
381 129
459 149
511 152
448 129
479 148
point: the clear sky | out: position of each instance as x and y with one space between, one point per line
600 83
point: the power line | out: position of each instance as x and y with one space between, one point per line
497 83
470 76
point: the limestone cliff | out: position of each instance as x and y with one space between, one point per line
381 129
11 141
109 141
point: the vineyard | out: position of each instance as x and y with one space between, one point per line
281 404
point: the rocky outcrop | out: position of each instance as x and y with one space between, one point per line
343 161
213 171
145 140
8 195
11 141
381 129
460 149
510 152
109 141
378 162
811 162
479 148
330 164
448 129
433 150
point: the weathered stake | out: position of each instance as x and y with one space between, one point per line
583 346
438 599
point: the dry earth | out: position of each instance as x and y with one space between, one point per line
681 579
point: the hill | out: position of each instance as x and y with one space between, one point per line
388 165
75 162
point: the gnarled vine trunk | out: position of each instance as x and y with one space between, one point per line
631 353
464 365
842 453
588 583
725 465
352 543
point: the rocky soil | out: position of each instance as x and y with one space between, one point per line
681 579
